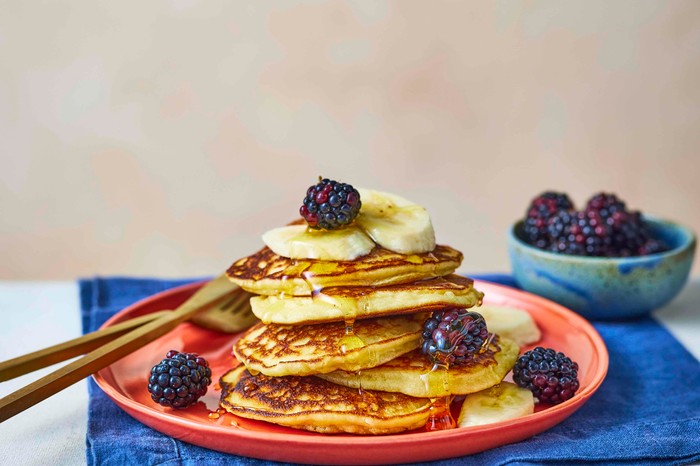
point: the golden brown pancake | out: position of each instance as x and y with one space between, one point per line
313 404
413 373
339 303
277 350
269 274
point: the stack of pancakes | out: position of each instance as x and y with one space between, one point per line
338 345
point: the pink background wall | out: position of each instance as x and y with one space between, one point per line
163 138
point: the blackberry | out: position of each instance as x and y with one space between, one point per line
179 380
560 238
605 204
580 233
605 228
652 246
538 214
633 237
453 336
630 233
329 204
551 376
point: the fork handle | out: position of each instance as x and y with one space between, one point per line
63 351
105 355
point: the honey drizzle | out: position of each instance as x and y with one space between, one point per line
360 391
307 270
440 414
214 415
440 417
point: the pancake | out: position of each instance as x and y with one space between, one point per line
313 404
267 273
277 350
412 373
339 303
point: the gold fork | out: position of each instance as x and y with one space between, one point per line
219 298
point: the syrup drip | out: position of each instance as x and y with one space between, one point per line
440 417
487 343
350 340
360 391
214 415
248 384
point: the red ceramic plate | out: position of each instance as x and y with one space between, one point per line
125 382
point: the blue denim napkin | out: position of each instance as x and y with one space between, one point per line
647 410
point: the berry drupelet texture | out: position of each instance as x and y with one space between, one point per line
538 213
580 233
604 228
605 204
630 234
551 376
329 205
179 380
560 237
453 336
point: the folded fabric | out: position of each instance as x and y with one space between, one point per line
647 411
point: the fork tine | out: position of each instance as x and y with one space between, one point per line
237 301
240 309
233 315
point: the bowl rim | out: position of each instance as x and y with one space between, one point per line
689 243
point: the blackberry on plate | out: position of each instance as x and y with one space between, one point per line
454 336
330 204
540 210
179 380
551 376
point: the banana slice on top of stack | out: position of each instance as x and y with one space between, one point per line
342 300
385 219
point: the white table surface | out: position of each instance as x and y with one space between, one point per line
40 314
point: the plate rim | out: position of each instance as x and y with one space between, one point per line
349 440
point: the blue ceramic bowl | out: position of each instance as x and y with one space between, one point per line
606 288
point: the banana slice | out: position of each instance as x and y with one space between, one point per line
395 223
498 403
511 322
300 242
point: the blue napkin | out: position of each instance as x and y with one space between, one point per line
647 410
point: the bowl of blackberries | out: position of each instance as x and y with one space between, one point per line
605 261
